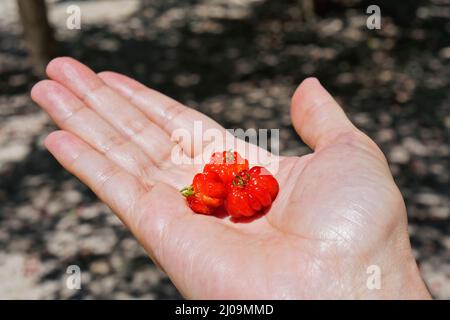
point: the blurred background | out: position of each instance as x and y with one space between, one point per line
239 61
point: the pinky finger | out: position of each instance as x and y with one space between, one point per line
118 189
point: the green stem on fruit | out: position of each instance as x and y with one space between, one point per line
187 191
238 181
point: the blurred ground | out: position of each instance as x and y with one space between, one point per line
239 62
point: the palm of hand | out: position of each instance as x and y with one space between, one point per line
326 208
335 206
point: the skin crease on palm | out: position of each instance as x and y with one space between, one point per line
338 211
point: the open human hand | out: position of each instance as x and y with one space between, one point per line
338 211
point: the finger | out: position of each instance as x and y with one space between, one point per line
207 136
118 189
71 114
140 208
112 107
167 113
316 116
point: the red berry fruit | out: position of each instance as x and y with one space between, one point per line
250 192
206 193
226 164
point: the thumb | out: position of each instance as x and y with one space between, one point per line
317 117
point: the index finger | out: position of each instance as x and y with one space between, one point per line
164 111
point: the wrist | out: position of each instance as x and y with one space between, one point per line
405 283
399 276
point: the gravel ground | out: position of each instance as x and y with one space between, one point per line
239 62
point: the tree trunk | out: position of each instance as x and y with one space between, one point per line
308 11
37 33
